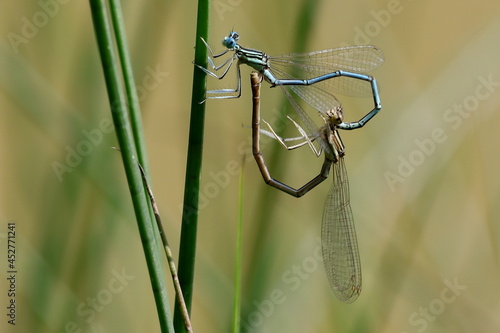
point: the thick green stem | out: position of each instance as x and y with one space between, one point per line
187 250
119 111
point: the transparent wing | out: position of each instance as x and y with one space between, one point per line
315 95
338 239
317 98
357 59
307 122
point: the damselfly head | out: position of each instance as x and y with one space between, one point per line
335 115
232 40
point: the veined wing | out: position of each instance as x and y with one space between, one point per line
338 239
315 95
318 98
356 59
310 127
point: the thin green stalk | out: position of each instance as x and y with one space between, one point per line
128 78
187 248
168 253
122 124
131 91
239 255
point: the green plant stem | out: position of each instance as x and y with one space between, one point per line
119 112
128 78
239 256
168 253
187 248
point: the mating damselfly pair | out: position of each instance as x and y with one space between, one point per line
313 77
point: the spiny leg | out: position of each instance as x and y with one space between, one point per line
304 135
271 133
210 49
213 74
219 93
231 93
212 64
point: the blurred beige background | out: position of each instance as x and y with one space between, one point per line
423 173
